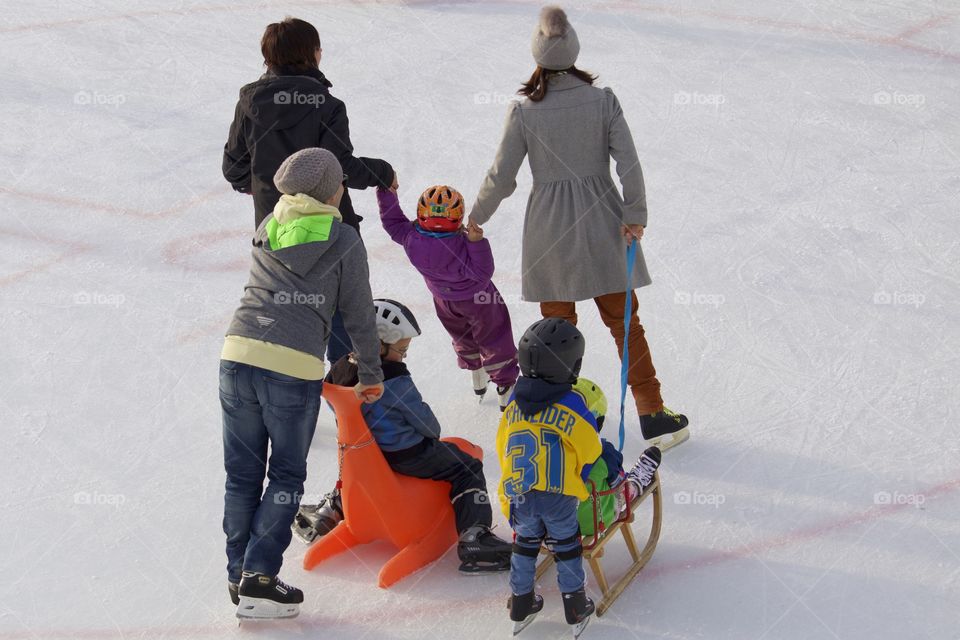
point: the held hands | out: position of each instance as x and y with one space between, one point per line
631 231
473 231
369 393
396 184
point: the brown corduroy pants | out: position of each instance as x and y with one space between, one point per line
641 376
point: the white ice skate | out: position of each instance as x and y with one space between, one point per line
503 394
480 382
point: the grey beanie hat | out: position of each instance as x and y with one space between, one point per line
555 45
314 171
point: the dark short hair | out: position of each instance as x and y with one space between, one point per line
291 43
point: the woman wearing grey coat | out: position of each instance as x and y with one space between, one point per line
576 220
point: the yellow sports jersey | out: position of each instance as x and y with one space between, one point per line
548 451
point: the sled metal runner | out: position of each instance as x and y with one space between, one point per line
593 545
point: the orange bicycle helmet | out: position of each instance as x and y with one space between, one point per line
440 209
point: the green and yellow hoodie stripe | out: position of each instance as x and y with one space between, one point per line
297 220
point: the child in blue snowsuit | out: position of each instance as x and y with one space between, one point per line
408 434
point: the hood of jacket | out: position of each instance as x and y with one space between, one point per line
298 232
281 98
533 395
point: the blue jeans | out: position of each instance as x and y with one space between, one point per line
262 407
538 514
339 344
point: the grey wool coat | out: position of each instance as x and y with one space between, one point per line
573 248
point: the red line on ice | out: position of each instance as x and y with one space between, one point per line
70 201
73 249
796 537
935 21
308 621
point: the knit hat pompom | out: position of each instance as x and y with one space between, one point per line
555 45
553 22
313 171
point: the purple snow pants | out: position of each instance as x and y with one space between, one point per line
482 335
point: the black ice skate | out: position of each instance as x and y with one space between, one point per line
578 608
503 393
641 475
316 520
481 551
264 597
523 609
664 429
234 588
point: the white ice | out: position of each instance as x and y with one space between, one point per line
803 176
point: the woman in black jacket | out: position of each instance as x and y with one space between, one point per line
288 109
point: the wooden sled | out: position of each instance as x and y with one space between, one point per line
593 545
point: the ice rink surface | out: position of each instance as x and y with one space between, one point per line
802 162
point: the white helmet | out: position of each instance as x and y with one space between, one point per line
394 321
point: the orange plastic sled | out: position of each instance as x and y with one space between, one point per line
378 504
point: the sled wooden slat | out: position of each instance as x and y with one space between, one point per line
593 548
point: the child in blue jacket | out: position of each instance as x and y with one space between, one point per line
408 433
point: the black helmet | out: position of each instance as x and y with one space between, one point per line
552 350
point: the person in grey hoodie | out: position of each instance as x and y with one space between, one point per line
306 264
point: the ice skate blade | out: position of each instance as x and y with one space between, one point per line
263 609
523 624
469 569
577 629
669 440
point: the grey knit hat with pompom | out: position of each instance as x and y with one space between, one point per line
555 44
314 171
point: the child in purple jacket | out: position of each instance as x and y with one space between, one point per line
458 266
